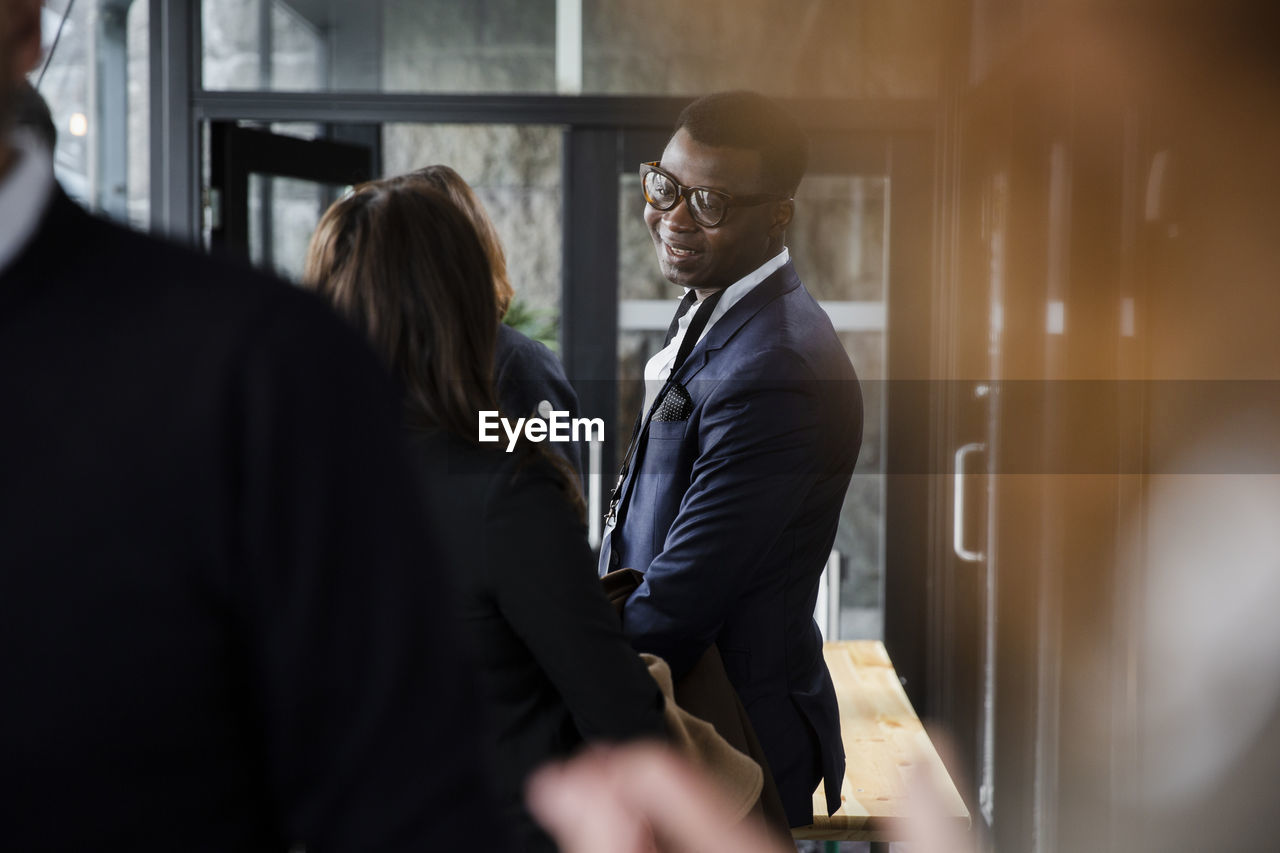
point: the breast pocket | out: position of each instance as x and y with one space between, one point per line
667 430
667 458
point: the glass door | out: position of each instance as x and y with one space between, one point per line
267 191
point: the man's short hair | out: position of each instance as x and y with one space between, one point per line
752 121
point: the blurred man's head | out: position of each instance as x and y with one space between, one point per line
19 53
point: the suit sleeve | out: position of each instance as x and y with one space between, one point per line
759 453
364 709
543 577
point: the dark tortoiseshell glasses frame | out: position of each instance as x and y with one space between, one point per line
698 198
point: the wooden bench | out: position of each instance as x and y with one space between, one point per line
885 746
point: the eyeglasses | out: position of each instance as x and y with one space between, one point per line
708 207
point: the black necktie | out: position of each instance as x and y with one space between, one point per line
690 340
685 304
691 335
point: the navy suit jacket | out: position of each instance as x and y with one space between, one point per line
731 516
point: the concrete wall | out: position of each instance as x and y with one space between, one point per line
516 172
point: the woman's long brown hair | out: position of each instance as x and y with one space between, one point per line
399 261
406 266
449 182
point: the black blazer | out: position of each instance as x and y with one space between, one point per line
554 664
221 626
526 373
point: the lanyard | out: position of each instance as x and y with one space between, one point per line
699 322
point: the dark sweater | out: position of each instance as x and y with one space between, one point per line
221 625
556 668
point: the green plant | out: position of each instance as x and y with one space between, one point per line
542 326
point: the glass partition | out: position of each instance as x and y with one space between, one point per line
283 213
381 45
802 48
514 169
95 82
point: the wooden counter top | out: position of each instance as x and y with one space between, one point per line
885 747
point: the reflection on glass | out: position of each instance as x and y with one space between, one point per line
803 48
67 88
261 44
860 537
516 172
139 106
838 237
96 85
380 45
838 241
445 46
297 50
283 213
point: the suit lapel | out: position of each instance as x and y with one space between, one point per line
784 280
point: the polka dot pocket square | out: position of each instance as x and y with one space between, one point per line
675 405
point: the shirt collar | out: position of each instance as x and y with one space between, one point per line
24 194
740 288
658 367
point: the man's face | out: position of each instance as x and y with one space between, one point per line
692 255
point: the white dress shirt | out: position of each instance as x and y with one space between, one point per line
24 193
659 367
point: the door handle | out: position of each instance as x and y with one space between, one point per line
957 542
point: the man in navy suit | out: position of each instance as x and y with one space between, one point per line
731 491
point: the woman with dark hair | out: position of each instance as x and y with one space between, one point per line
402 263
528 377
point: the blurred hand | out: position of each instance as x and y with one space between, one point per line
638 799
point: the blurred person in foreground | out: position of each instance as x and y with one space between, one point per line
405 265
528 378
644 798
639 799
221 624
